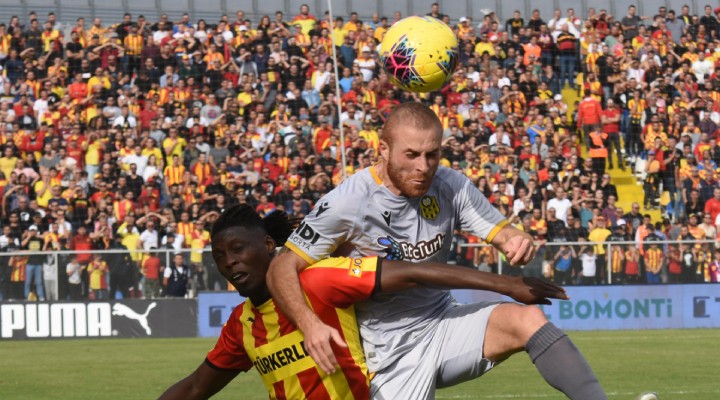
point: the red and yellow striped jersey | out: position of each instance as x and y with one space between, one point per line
18 266
133 44
174 175
263 337
618 259
5 42
653 260
202 170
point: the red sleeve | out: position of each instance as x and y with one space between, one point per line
343 281
229 352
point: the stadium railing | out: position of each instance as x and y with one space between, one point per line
695 263
211 10
613 270
123 264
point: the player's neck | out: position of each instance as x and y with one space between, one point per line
260 297
381 173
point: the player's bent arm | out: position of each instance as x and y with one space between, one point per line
284 284
201 384
400 275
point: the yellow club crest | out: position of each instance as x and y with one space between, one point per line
429 207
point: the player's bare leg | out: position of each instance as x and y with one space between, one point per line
513 328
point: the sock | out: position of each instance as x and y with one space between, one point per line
562 365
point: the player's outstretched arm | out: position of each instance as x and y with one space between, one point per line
284 284
201 384
399 275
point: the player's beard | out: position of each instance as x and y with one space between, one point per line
410 184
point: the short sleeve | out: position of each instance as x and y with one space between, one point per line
342 281
476 214
229 352
327 226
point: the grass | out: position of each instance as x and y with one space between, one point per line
676 364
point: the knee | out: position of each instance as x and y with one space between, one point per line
531 319
523 321
510 328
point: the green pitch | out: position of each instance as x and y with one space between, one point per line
677 364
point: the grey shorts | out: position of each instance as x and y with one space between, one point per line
450 354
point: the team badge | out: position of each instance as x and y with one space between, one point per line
429 207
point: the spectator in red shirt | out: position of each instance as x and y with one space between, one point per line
589 114
151 268
712 206
275 169
611 125
82 244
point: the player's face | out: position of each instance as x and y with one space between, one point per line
412 160
243 256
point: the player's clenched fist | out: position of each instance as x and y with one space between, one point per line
519 248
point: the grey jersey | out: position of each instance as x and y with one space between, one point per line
361 217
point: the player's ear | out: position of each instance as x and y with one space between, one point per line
270 244
384 148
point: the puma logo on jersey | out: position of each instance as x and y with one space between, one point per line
386 217
322 208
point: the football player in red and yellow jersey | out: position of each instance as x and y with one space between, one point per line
259 335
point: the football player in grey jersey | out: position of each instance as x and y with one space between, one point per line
406 208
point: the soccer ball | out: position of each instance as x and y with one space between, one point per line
648 396
419 54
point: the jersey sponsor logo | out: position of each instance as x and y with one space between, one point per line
356 268
305 235
282 357
386 216
429 207
322 208
421 250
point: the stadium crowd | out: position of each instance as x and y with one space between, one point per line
135 135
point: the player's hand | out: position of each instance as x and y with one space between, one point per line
535 291
318 337
519 249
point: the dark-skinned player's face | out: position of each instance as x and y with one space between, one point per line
412 159
243 256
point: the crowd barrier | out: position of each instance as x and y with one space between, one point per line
111 11
595 307
630 307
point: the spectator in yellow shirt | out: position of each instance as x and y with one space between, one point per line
599 235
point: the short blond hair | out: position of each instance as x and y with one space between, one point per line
415 115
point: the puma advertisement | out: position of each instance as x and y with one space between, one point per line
126 318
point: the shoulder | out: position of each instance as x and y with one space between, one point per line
348 197
450 179
360 183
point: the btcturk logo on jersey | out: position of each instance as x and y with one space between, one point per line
421 250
